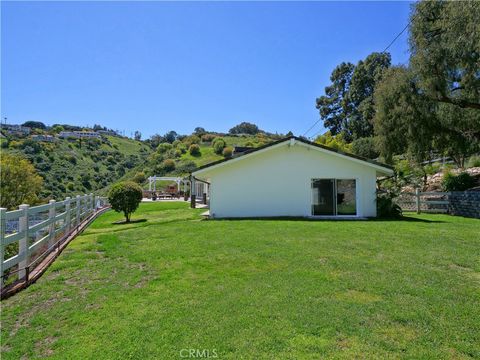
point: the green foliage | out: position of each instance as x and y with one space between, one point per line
208 138
445 48
387 207
164 147
460 182
168 165
227 152
218 144
182 147
192 139
139 177
19 183
185 167
194 150
347 106
125 197
365 147
403 122
336 142
474 161
34 125
245 128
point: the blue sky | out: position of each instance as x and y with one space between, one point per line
157 66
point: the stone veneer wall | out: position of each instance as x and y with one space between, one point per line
465 203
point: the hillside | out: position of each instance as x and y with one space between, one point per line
71 167
176 159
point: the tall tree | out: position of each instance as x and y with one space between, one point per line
445 51
245 128
404 122
409 122
19 183
348 104
334 105
137 135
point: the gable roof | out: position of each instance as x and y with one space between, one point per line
373 163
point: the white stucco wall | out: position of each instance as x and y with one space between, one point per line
277 182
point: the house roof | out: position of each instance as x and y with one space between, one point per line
301 140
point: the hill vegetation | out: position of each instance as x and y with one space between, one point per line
71 166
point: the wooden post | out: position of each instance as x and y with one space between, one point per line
78 210
193 189
51 216
68 222
3 228
417 199
23 242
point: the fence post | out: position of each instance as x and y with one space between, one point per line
78 211
23 242
51 216
68 219
3 228
92 202
417 199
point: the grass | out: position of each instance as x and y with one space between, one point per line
254 289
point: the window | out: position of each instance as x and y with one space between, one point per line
334 197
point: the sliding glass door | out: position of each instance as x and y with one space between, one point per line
334 197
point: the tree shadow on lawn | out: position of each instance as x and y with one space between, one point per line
123 222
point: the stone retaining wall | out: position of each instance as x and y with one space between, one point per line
464 203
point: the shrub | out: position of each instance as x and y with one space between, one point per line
163 148
192 139
365 147
227 152
139 177
71 186
182 147
474 161
168 165
125 197
387 207
194 150
72 159
218 144
208 138
460 182
186 167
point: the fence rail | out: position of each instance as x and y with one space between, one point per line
429 201
29 234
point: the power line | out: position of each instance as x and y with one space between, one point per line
399 34
311 127
391 43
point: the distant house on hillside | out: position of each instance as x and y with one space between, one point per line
291 177
78 134
107 132
44 138
17 130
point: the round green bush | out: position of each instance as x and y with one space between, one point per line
163 148
194 150
218 144
168 165
125 197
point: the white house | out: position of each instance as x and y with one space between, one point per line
292 177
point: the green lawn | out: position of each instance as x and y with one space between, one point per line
254 289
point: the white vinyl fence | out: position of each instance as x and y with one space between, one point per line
429 202
29 234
